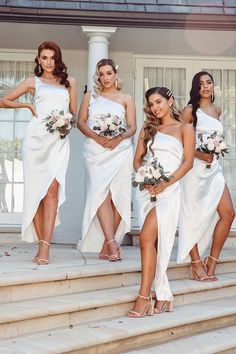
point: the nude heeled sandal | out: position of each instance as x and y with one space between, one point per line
167 306
194 276
115 257
205 265
149 310
43 261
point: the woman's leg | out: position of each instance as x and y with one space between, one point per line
198 266
50 202
38 225
108 222
226 213
148 248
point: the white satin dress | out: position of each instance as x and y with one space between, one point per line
169 152
45 155
106 170
202 189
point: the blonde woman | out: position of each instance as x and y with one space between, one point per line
108 164
164 137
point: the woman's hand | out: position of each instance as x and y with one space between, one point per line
101 140
32 108
208 158
157 188
114 142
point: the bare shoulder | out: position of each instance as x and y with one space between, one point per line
126 97
71 80
142 132
186 114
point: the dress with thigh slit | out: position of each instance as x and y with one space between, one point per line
202 189
105 170
45 155
169 152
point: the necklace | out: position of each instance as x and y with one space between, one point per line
207 106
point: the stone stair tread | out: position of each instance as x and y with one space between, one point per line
209 342
26 272
53 305
116 329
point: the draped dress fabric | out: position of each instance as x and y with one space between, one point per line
45 155
202 189
106 170
169 152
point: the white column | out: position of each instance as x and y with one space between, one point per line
97 47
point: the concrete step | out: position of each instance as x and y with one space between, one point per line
28 281
217 341
121 334
23 317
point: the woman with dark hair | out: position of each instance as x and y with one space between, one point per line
172 142
45 155
108 159
207 210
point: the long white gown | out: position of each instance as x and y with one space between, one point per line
106 170
45 155
202 189
169 152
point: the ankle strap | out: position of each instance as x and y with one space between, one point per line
215 259
47 243
199 260
145 297
113 240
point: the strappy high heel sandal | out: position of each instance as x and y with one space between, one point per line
148 311
193 274
43 261
205 265
115 257
103 256
167 306
35 258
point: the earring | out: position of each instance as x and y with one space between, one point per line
40 68
116 84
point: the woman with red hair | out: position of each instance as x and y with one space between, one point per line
45 155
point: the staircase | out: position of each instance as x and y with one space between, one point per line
69 307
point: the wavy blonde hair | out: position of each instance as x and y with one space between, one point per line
96 77
152 122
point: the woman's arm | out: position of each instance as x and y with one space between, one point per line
73 95
188 136
140 150
82 120
9 100
130 124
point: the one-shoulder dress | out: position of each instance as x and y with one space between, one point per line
202 189
169 152
45 155
105 170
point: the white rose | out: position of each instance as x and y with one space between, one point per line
205 139
68 115
55 113
60 123
156 174
210 146
139 178
218 149
109 121
222 145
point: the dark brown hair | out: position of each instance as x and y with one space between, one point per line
151 123
60 70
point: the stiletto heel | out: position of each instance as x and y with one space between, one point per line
43 261
167 306
205 265
149 310
115 257
193 274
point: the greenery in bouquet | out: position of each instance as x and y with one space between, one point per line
61 122
109 125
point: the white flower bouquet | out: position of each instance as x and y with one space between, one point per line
61 122
212 144
109 125
150 173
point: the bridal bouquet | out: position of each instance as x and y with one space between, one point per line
212 144
109 125
61 122
150 173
